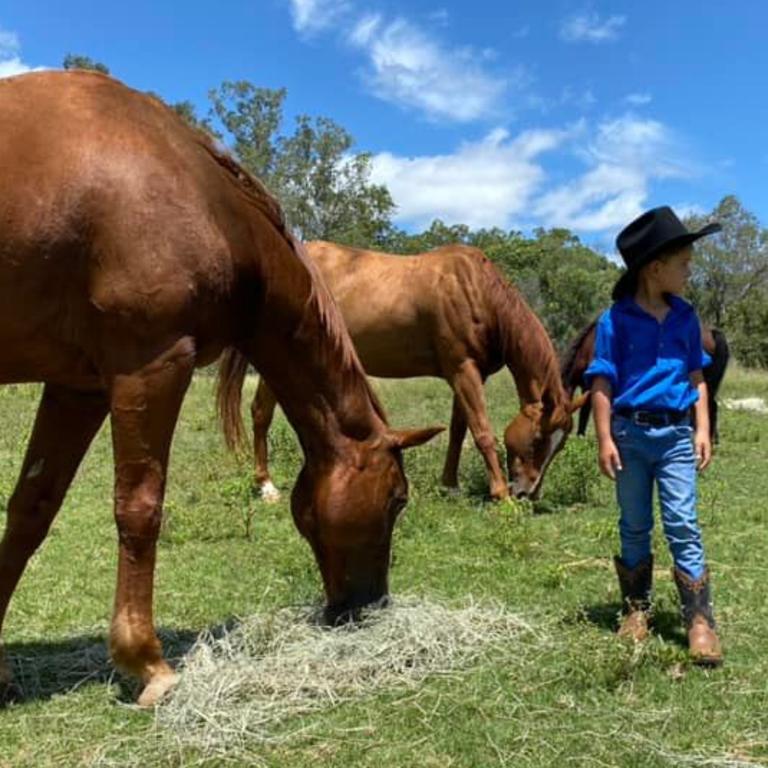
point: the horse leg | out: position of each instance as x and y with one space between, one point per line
262 411
467 386
584 414
457 433
66 423
144 408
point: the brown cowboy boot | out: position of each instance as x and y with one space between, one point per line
635 586
696 605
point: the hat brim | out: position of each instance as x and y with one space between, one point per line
625 281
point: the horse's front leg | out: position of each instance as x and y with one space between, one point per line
144 408
467 384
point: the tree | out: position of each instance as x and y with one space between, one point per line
76 61
324 188
731 266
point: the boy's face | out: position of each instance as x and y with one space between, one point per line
673 271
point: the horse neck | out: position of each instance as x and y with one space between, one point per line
577 358
529 353
305 355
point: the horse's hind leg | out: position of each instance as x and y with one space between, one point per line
262 411
452 457
65 425
144 408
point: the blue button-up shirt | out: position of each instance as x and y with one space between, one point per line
648 363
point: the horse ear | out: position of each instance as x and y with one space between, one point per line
409 438
577 402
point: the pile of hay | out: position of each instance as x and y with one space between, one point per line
253 685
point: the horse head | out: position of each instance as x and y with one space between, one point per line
532 439
346 507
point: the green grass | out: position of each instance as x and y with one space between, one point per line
580 698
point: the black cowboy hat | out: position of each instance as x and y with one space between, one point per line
641 241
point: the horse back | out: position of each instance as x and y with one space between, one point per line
408 315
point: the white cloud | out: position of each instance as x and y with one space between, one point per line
483 184
440 17
10 59
590 27
625 155
638 99
311 16
9 44
501 180
14 66
684 210
410 68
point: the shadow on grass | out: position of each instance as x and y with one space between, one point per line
42 670
666 624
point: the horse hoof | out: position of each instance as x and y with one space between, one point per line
157 689
269 493
452 490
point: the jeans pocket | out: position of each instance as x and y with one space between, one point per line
619 428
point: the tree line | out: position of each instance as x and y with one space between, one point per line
326 190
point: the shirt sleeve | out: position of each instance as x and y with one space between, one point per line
696 352
605 357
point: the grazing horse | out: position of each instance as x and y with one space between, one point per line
447 313
132 250
580 353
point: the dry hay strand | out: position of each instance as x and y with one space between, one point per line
252 685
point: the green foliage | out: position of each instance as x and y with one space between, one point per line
729 285
731 266
77 61
324 187
748 330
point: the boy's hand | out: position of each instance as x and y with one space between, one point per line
608 458
703 447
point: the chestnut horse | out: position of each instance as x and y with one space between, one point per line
446 313
132 251
582 350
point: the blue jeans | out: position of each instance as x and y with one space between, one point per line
664 455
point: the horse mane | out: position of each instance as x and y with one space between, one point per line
522 337
319 304
572 353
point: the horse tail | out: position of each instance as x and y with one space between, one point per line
232 369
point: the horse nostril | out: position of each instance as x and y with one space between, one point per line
522 494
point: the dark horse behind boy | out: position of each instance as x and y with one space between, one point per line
580 353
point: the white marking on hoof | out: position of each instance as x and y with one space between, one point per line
157 689
453 490
269 492
36 469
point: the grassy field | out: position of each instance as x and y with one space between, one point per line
573 695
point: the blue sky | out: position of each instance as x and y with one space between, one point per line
492 112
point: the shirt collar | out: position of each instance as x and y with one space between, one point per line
677 306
